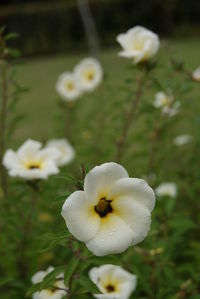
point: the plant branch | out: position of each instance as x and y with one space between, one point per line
129 116
3 113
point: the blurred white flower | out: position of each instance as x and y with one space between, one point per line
88 74
139 44
162 99
166 189
113 281
65 149
196 74
182 139
49 293
112 213
165 102
67 87
31 162
171 110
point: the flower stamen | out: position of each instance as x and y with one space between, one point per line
33 166
110 288
103 207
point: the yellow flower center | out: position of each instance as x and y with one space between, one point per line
69 86
103 207
34 166
90 75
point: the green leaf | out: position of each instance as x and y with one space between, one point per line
88 285
11 35
47 282
15 53
71 267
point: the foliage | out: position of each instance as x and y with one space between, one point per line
33 234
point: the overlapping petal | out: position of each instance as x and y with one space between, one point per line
81 219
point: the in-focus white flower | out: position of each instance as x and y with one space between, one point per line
88 74
182 140
196 74
166 189
139 44
67 87
165 102
112 213
49 293
31 162
65 149
113 281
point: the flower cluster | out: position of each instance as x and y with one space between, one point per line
86 76
111 280
32 162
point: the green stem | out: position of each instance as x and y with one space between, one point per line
130 116
26 232
3 116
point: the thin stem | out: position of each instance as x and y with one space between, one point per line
129 117
26 232
3 116
155 136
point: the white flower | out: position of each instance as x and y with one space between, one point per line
31 162
113 281
49 293
162 99
166 189
139 44
171 110
166 102
112 213
182 140
196 74
67 87
65 149
88 74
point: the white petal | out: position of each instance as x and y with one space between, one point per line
138 189
11 160
29 148
65 149
80 217
48 154
38 277
101 178
135 215
114 236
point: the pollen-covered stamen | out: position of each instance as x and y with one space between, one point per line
110 288
103 207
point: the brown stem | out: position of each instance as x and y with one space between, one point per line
129 117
